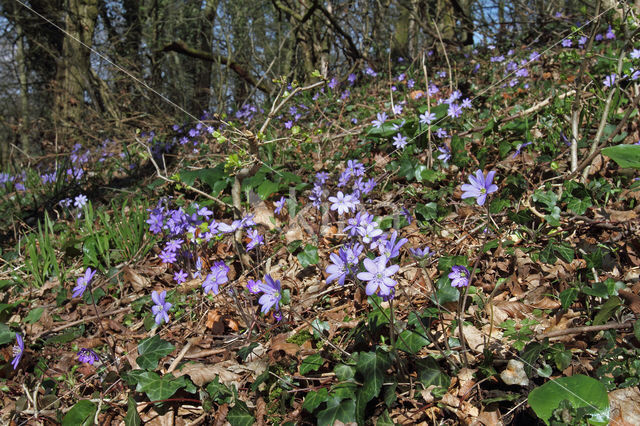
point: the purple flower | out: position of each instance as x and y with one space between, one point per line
333 83
378 276
392 248
369 232
598 37
396 109
355 168
254 286
410 83
421 253
205 212
582 41
256 239
454 110
161 308
279 205
400 141
339 268
441 133
566 42
316 195
466 103
80 201
288 124
427 118
381 117
180 276
87 356
609 80
217 276
83 282
519 148
459 276
168 256
321 177
445 154
352 78
610 35
343 203
480 187
18 350
362 218
271 294
635 54
173 245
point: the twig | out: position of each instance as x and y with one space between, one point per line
80 321
585 329
181 355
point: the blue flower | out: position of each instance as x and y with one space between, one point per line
339 269
18 350
459 276
381 117
391 249
427 118
480 187
343 203
400 141
161 308
378 275
421 253
271 294
87 356
256 239
180 276
279 205
83 282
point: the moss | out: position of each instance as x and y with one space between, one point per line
300 337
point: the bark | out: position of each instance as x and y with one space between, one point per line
74 67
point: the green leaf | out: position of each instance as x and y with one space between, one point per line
446 292
34 315
314 398
239 415
345 411
132 418
151 350
345 372
384 420
580 390
219 392
625 155
82 413
411 342
243 353
530 355
565 251
429 373
427 211
267 188
372 366
6 335
568 296
579 206
389 394
67 337
311 363
607 310
216 177
309 256
159 387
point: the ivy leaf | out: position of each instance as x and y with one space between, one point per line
372 365
132 418
151 350
411 342
239 415
568 296
429 373
345 411
308 256
314 398
159 387
311 363
82 413
345 372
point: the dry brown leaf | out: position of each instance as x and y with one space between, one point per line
214 322
279 343
263 215
512 308
547 303
137 281
487 418
201 374
625 406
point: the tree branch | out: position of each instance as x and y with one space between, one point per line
180 46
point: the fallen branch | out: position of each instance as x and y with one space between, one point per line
585 329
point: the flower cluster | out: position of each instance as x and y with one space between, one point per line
271 294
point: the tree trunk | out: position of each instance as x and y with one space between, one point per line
74 68
25 134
